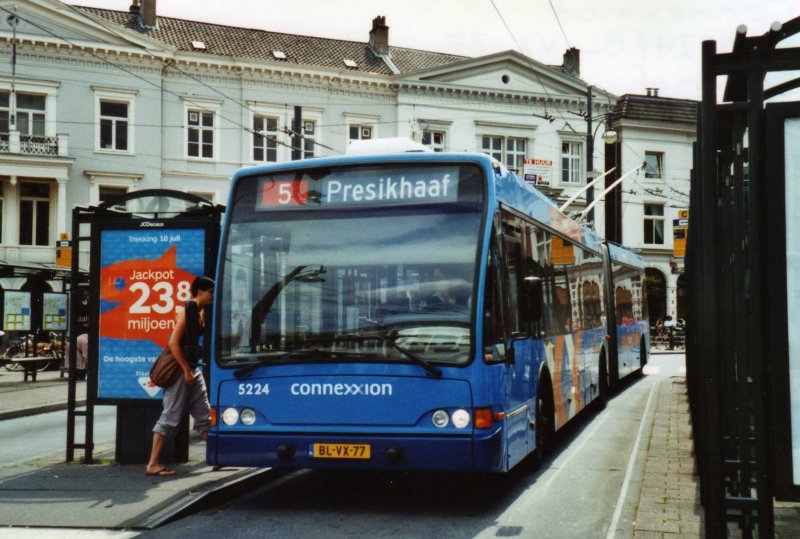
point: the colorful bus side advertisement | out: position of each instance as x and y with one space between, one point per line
145 278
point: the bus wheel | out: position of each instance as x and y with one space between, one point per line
545 423
603 382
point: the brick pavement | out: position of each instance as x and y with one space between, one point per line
669 503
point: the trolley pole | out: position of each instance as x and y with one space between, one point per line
589 157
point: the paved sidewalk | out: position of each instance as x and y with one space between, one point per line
50 493
47 394
669 502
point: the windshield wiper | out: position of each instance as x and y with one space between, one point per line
247 369
416 358
303 273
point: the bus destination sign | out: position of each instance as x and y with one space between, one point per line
368 187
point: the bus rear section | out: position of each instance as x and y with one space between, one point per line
345 327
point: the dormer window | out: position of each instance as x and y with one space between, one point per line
199 45
350 63
279 55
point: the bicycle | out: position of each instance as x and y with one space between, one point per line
28 345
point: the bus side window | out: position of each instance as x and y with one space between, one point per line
532 301
517 306
493 328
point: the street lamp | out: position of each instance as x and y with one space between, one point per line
610 136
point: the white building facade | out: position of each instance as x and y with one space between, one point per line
97 102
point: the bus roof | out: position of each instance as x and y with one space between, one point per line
622 255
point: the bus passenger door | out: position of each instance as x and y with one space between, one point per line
518 375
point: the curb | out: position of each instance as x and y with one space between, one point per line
41 409
210 494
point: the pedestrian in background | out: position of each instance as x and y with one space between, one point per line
669 327
81 355
189 390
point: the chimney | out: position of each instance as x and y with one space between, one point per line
379 36
148 13
652 92
572 62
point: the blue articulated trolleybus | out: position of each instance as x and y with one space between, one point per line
410 311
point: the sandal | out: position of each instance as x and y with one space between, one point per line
161 472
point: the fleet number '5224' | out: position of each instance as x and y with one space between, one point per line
254 389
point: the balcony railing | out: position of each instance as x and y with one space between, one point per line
15 142
38 145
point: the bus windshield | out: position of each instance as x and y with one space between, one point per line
307 276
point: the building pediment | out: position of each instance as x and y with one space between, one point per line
505 72
57 23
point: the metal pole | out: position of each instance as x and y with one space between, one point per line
613 201
589 154
712 454
297 136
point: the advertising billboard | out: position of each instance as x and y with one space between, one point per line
145 278
16 311
54 311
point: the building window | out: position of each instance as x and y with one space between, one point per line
654 224
309 138
265 139
653 164
508 150
30 114
200 134
106 192
114 122
360 132
493 147
571 170
515 154
435 140
34 225
5 112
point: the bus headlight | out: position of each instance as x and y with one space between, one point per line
230 416
248 416
440 419
460 418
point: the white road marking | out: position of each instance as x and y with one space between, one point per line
63 533
629 471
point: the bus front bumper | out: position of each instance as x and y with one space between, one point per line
467 453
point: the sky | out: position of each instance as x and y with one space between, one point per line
626 46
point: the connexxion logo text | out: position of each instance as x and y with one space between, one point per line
338 389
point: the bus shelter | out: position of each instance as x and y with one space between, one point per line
743 370
142 250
